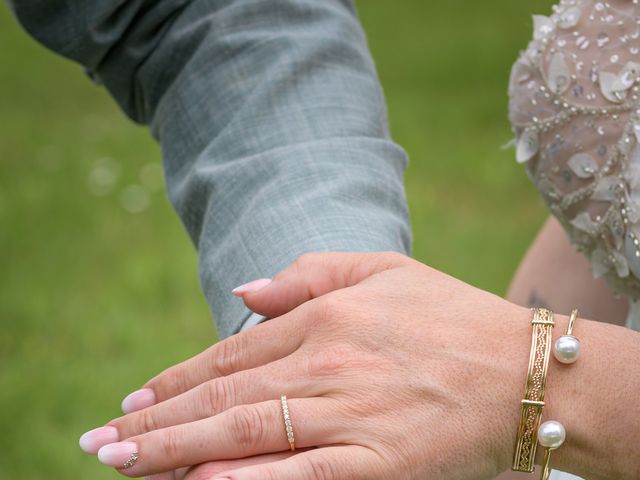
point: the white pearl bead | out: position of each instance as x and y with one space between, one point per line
566 349
551 434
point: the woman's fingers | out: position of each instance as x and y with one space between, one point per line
186 393
328 463
208 470
161 476
235 433
215 396
312 276
178 474
243 351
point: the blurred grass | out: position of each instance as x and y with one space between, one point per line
94 300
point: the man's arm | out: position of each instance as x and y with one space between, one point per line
271 120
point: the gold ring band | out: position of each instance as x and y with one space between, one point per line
287 422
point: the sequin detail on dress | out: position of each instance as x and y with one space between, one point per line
575 109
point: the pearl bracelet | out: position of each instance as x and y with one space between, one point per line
567 348
552 434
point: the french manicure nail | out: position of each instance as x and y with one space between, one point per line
119 455
251 287
93 440
143 398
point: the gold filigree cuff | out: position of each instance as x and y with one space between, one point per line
533 402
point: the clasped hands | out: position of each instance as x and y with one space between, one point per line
392 370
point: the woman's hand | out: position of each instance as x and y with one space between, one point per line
400 372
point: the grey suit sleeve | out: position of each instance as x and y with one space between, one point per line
271 120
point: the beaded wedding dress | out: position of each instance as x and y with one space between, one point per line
575 109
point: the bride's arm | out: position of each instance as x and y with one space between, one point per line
554 274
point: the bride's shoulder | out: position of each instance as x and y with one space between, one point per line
575 110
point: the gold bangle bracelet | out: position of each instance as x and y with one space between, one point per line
533 402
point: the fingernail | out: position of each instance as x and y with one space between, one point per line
138 400
120 455
93 440
251 287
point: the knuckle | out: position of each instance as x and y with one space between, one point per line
217 396
246 428
330 362
321 468
170 444
331 307
225 358
146 420
173 380
338 311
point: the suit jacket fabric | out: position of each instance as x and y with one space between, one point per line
271 120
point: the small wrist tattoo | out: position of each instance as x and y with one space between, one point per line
536 301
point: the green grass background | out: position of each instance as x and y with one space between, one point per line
94 300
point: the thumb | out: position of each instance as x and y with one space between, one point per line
313 275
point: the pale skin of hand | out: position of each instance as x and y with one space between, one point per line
552 274
449 362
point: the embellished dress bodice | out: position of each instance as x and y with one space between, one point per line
575 109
